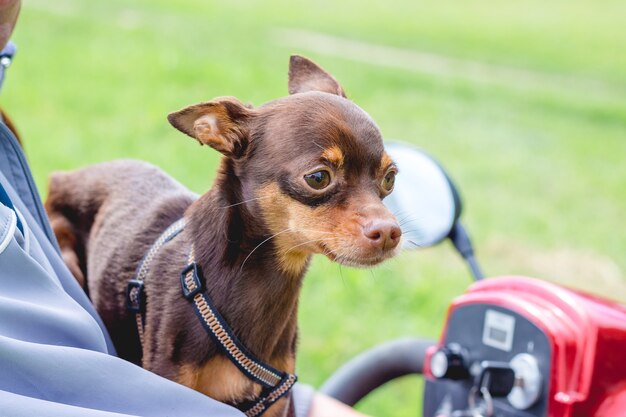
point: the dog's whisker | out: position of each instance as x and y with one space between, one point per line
260 244
410 218
310 241
312 230
418 232
402 214
406 213
290 229
345 257
328 251
385 267
417 245
405 226
247 201
341 275
415 228
318 145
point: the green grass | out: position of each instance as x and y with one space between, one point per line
540 164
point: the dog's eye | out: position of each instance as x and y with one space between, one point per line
318 180
389 181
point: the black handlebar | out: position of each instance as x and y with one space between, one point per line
375 367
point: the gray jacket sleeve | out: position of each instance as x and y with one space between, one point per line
53 353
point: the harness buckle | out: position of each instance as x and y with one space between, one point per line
135 296
190 281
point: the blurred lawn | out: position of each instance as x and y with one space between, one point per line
540 162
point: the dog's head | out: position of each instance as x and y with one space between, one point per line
311 166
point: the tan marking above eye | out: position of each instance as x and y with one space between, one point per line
334 155
385 162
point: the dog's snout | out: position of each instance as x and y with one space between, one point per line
384 234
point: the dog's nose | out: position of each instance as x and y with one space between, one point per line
385 234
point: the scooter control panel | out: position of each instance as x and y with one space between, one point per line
491 362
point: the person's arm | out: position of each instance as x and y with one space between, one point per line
9 9
325 406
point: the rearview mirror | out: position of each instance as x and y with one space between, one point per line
425 201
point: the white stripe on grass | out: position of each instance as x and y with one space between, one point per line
440 65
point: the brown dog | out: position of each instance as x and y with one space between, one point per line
300 175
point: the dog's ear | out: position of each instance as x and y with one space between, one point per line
220 123
305 75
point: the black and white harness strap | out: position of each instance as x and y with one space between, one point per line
276 384
135 292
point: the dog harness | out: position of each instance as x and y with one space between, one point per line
276 384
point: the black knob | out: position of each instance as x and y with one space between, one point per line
449 362
497 377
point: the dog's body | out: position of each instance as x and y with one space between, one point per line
116 235
301 175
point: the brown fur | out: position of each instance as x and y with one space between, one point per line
253 232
